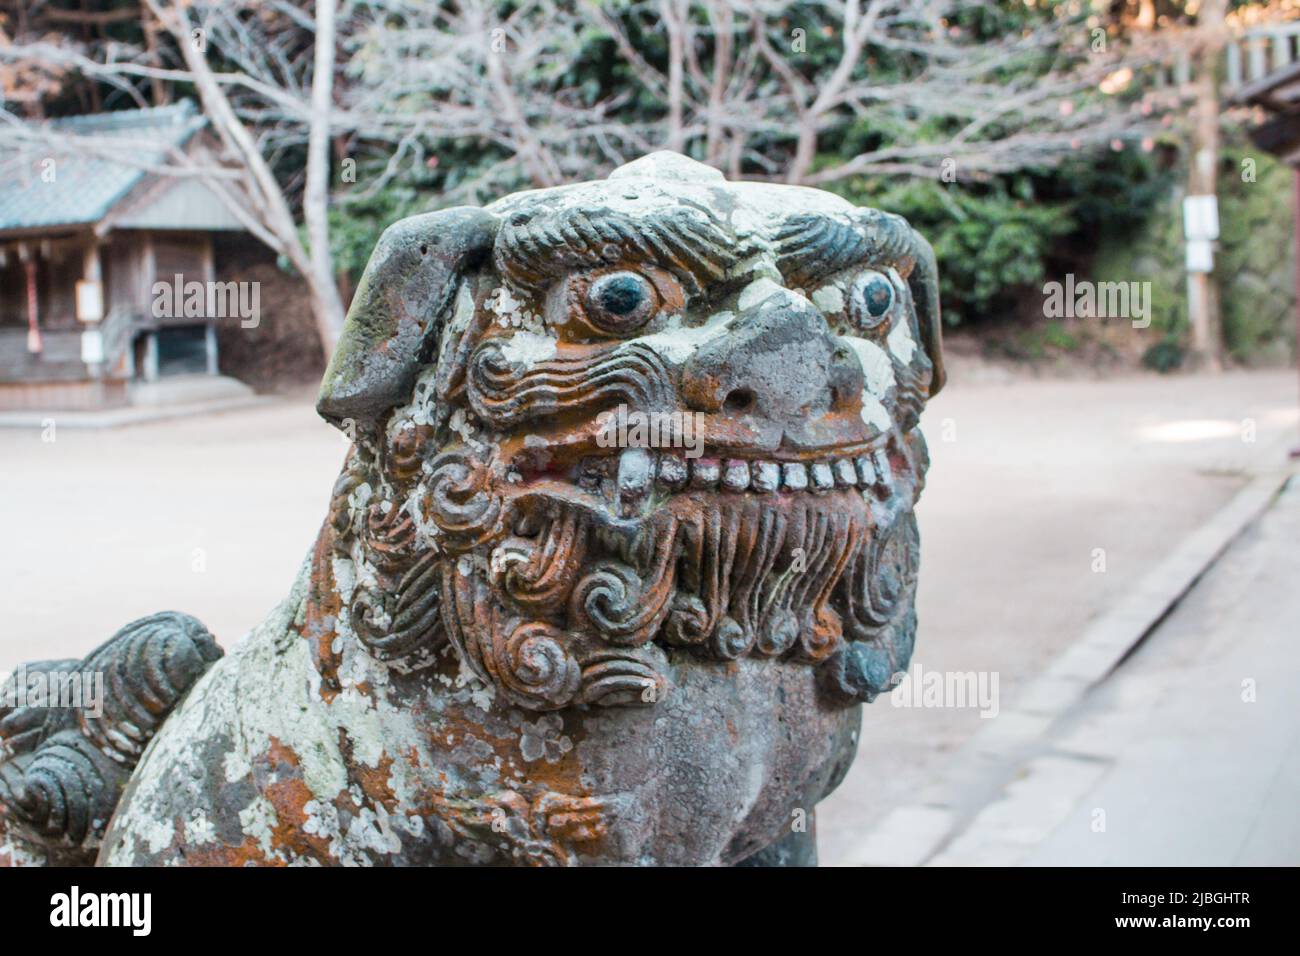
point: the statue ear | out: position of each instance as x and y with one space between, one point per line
405 295
924 283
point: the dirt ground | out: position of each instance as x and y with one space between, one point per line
213 515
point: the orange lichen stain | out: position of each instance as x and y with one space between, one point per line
289 841
557 771
321 614
248 853
413 758
542 814
374 783
278 775
181 853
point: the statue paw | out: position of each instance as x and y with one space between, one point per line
71 733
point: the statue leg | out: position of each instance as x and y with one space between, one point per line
796 848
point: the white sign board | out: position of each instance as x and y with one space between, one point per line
90 300
1201 217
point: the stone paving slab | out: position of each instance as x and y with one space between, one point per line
999 824
1200 733
1034 805
1189 755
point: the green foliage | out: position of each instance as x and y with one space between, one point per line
999 241
1254 260
989 243
1058 336
1110 193
1165 356
356 228
1151 251
358 218
1109 215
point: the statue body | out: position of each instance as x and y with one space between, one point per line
624 539
413 770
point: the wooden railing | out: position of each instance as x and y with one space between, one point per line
60 359
116 331
1248 57
1260 52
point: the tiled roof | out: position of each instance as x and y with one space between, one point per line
87 184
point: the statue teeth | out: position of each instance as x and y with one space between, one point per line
846 475
885 474
639 469
673 472
794 476
765 477
635 472
822 477
735 475
705 473
866 472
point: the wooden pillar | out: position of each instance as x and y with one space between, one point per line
1234 64
1281 49
210 346
146 278
148 266
27 256
1255 57
210 330
209 261
1295 212
1202 290
151 356
90 267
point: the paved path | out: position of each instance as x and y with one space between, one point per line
211 515
1189 754
1039 476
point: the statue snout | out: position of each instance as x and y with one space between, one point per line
779 362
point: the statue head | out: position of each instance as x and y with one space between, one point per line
609 429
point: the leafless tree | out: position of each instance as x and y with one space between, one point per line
760 88
734 83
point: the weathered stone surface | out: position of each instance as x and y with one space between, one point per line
69 748
527 636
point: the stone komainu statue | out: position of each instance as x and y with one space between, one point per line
522 636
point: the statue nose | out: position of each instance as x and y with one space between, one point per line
779 361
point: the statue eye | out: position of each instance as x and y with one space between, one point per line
871 299
621 302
